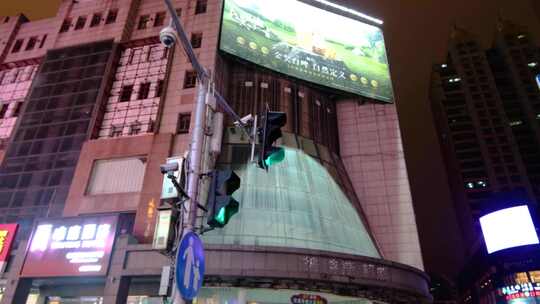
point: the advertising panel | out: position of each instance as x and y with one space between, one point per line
508 228
78 246
306 42
7 235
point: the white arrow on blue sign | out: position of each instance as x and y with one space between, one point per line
190 266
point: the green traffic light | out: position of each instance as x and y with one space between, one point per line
276 157
220 217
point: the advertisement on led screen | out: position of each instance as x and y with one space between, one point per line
309 43
78 246
508 228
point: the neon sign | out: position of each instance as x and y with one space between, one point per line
524 290
7 235
75 246
308 299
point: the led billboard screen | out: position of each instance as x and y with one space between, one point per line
78 246
508 228
306 42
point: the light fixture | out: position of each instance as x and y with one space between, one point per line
351 11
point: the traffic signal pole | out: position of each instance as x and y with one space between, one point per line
196 149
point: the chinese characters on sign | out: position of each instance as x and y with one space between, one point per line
73 246
7 235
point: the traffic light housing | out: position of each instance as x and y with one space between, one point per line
269 132
222 206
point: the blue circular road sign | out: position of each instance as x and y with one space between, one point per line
190 266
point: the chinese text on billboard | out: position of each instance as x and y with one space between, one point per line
309 43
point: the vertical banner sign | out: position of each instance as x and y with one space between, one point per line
7 236
70 247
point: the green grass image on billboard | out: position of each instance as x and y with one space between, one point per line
308 43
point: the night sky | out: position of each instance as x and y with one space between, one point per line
416 33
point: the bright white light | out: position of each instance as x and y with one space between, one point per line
59 234
508 228
532 64
103 231
41 238
538 80
521 36
444 65
90 268
351 11
74 233
89 231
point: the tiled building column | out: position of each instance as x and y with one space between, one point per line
117 286
17 289
371 149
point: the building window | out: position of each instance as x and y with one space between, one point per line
196 40
3 110
135 128
96 19
125 95
143 21
42 42
119 175
31 43
184 120
190 79
65 25
17 46
81 21
159 88
144 89
200 7
178 12
159 20
17 109
111 16
116 131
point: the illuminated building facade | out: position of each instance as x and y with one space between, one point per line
486 106
92 104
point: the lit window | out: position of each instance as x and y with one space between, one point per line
516 123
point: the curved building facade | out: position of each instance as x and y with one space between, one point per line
104 104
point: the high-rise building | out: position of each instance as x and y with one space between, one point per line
92 104
486 106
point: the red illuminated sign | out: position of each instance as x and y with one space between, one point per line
78 246
7 235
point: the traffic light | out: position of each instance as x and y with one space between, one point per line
222 206
269 132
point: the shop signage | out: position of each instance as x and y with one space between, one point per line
70 247
524 290
308 299
7 235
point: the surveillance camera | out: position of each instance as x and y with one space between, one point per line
169 168
167 36
244 120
